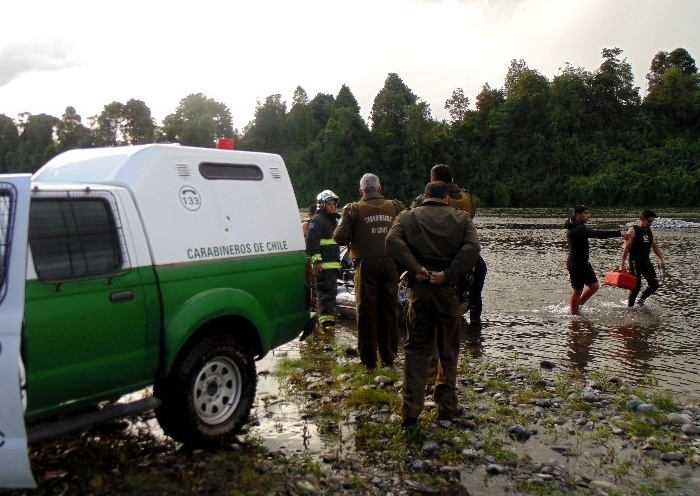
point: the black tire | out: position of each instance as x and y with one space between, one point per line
208 396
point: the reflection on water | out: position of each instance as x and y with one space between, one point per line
527 290
280 422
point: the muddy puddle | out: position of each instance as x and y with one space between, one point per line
280 423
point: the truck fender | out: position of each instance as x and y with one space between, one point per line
203 308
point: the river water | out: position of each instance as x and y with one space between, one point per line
526 305
527 291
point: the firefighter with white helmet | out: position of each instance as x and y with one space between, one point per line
324 256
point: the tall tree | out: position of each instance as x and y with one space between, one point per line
266 132
321 107
457 105
71 133
390 113
9 139
569 94
527 93
36 143
198 121
342 153
614 96
673 100
108 125
300 126
139 126
663 61
345 99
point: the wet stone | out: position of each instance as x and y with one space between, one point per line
383 380
590 396
673 456
472 454
451 471
495 469
679 418
647 407
690 429
519 432
430 449
306 486
604 485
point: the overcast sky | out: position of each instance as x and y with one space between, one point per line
87 54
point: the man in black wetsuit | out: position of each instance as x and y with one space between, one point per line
581 272
638 246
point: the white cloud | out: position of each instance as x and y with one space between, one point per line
83 54
17 59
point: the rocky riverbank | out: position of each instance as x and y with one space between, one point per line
524 430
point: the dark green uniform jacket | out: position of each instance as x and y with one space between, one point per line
441 238
365 224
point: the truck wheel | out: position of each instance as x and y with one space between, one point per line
209 394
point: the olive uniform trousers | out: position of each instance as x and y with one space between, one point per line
433 314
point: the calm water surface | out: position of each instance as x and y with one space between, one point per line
527 291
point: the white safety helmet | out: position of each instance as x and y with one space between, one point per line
325 196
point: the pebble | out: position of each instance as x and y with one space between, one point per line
519 432
383 380
495 469
690 429
673 456
647 407
430 449
548 411
604 485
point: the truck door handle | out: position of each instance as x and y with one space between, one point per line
121 296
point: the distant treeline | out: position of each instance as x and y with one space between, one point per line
581 137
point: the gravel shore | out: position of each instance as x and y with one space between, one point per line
524 430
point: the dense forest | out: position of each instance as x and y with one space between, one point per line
581 137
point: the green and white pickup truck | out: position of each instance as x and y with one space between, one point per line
157 265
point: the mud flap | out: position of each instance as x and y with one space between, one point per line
15 470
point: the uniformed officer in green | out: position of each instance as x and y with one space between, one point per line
363 227
437 244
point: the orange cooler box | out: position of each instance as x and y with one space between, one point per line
620 279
